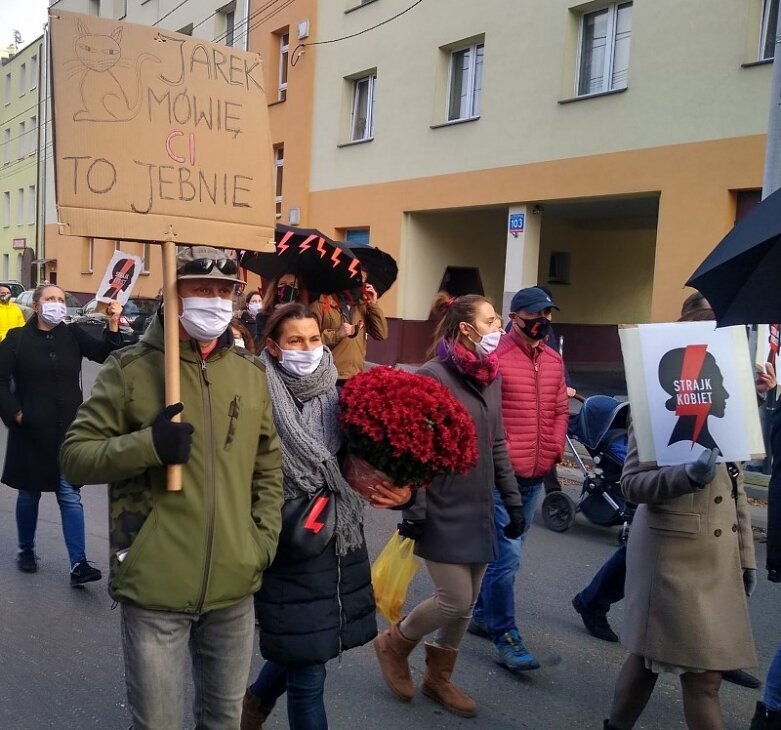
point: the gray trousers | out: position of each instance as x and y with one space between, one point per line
155 644
448 611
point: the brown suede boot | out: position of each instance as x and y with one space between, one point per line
440 662
253 712
392 652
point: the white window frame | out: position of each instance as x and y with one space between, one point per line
8 88
279 176
765 27
22 140
284 60
610 49
471 78
22 79
6 209
7 145
368 134
6 265
31 205
20 207
34 72
33 132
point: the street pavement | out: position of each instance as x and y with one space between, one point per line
61 658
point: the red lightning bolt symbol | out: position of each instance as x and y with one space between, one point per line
353 268
283 245
306 245
321 247
311 520
693 358
335 257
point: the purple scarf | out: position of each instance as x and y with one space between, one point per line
482 370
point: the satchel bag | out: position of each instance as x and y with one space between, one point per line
308 525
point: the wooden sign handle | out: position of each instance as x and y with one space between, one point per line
171 320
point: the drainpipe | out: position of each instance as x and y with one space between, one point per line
43 135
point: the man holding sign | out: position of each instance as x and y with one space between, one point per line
184 565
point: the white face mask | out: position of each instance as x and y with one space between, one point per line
488 343
254 308
238 341
205 318
52 313
301 362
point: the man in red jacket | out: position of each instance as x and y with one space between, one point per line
536 413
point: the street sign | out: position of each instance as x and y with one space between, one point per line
517 223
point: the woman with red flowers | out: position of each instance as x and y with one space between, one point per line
452 521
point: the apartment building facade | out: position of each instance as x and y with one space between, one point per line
600 148
19 137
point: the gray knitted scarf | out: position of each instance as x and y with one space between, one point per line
306 414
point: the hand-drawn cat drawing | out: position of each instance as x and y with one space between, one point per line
103 97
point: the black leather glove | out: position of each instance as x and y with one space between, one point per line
517 523
413 529
172 441
703 471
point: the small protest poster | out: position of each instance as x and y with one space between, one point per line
121 275
691 388
159 133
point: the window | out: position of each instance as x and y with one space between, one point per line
465 84
8 88
603 54
357 236
22 140
559 267
120 7
6 146
279 165
22 79
33 135
230 27
33 72
31 205
6 209
767 36
362 120
284 47
6 262
186 30
94 7
20 207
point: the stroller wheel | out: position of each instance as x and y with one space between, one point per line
558 511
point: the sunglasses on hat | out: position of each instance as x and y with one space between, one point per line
205 266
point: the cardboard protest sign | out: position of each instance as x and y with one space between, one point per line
121 276
691 387
159 135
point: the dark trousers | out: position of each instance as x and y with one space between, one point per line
607 586
304 684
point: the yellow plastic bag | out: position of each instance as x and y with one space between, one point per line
392 573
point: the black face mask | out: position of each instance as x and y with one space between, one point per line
287 293
535 328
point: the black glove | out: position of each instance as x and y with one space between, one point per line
773 575
172 441
413 529
703 471
749 580
517 523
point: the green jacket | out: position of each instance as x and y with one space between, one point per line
205 547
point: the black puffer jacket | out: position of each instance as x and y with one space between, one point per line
311 611
774 498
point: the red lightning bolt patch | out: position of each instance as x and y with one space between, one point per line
283 245
693 358
335 257
311 519
321 247
306 245
353 268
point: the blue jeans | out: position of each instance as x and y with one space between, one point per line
495 607
607 586
155 645
304 684
771 697
71 513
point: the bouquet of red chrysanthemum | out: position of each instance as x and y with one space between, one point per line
407 426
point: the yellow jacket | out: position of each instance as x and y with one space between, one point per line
10 316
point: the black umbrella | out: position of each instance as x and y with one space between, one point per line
323 265
380 267
740 276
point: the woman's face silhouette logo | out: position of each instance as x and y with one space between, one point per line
692 378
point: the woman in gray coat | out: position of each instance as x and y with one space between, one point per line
452 522
690 567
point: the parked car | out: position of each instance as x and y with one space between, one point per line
15 286
96 323
137 311
25 301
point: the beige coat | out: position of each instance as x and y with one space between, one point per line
685 601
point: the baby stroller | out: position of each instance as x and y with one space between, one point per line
601 427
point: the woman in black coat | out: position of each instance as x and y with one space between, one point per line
316 599
40 391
